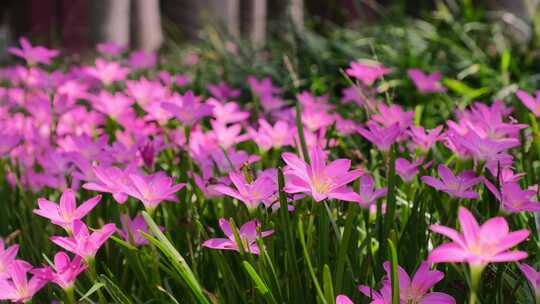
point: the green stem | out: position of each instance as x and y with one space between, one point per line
92 273
70 295
308 262
476 273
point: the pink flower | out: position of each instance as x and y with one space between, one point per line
269 136
248 235
319 180
533 277
513 198
107 72
222 91
408 170
18 288
368 194
367 72
64 271
152 189
382 137
228 112
132 228
110 48
115 106
65 213
140 60
426 83
228 136
478 245
188 109
532 103
343 299
415 290
7 257
82 243
390 115
33 55
251 194
263 87
458 186
111 180
9 141
424 140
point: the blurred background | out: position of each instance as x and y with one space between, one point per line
76 26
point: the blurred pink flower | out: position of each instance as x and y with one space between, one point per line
367 72
426 83
110 48
187 108
248 235
33 54
458 186
141 59
152 189
343 299
18 288
222 91
132 228
478 245
533 276
64 271
7 256
82 243
227 112
320 180
382 137
368 194
408 170
65 213
513 198
107 72
532 103
424 140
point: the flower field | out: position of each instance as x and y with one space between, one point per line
357 173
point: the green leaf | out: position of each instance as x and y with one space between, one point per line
179 263
327 284
259 283
300 128
91 291
394 272
115 291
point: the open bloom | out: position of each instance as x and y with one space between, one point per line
367 73
423 139
82 243
513 198
7 256
478 245
251 194
18 288
426 83
248 235
66 212
33 54
411 291
64 271
382 137
533 277
407 170
111 180
368 194
318 179
458 186
532 103
152 189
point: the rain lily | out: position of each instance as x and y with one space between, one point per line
7 256
248 235
250 193
82 243
228 112
424 140
132 228
533 277
320 180
64 271
110 48
368 194
228 136
269 136
426 83
18 289
415 290
140 60
9 141
222 91
408 170
513 198
382 137
343 299
392 114
458 186
187 108
367 72
65 213
478 245
111 180
33 54
152 189
532 103
107 72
